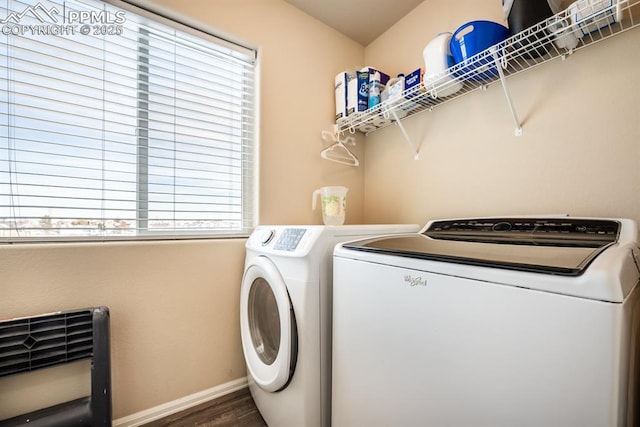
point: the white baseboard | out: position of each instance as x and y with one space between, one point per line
181 404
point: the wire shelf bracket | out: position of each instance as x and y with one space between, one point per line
503 80
415 150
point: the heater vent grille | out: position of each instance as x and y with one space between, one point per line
27 344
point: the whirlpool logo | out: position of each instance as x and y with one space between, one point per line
415 280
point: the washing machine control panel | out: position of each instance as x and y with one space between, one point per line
539 231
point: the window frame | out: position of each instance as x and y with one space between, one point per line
250 157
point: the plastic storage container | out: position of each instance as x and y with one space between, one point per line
522 14
591 15
472 38
437 59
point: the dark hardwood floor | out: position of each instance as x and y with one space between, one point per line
232 410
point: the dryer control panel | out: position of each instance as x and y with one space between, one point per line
289 239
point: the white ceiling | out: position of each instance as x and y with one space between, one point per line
360 20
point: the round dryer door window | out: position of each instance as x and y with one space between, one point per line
264 321
267 326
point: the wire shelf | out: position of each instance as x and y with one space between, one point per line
556 37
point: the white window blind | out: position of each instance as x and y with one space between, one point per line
118 124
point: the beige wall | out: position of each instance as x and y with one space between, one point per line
299 59
174 305
580 152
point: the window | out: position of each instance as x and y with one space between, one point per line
119 124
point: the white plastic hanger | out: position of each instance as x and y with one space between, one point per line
338 151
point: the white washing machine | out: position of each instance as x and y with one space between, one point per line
496 322
285 318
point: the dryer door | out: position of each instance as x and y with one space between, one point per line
267 326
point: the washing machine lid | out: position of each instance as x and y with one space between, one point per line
563 246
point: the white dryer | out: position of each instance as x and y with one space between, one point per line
497 322
285 318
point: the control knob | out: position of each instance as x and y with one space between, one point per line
267 236
501 226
